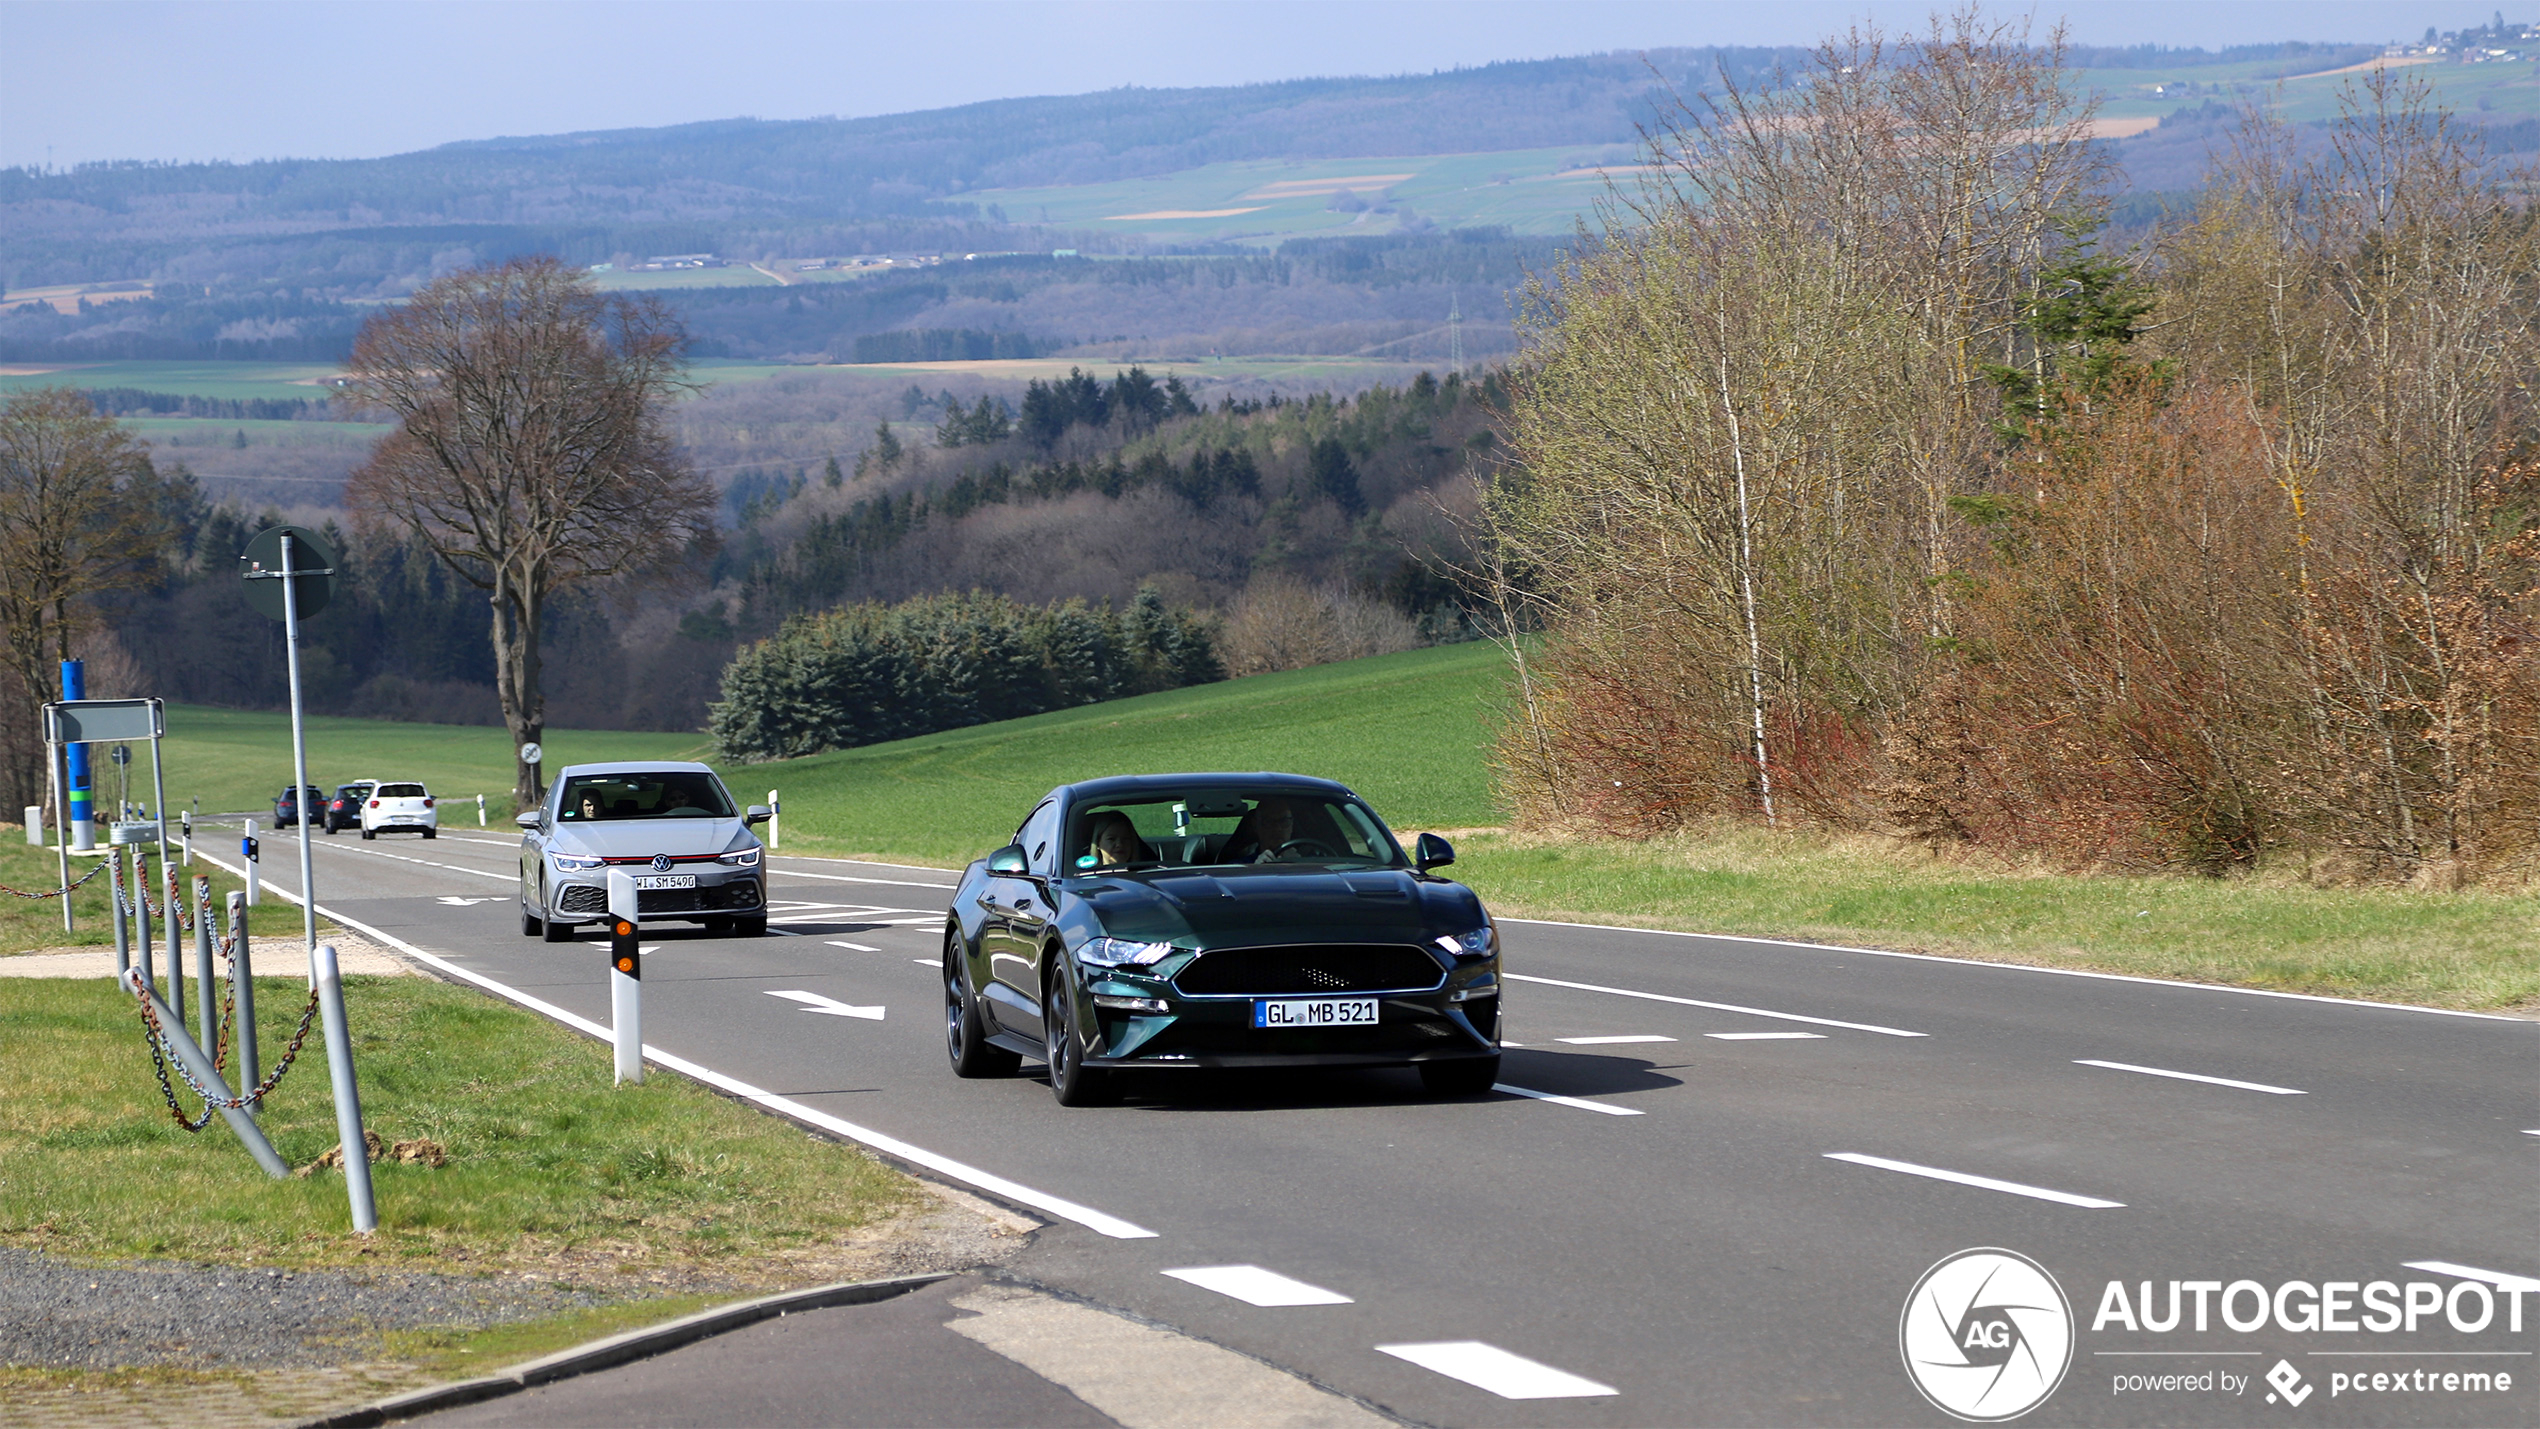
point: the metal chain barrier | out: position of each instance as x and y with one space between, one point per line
160 1060
82 881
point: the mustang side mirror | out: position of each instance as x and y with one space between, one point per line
759 814
1008 859
534 819
1432 852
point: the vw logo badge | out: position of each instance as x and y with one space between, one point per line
1987 1335
661 863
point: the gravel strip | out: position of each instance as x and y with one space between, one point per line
57 1314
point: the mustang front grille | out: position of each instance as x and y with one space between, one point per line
1319 969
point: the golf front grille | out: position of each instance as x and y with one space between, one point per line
1310 970
715 898
583 898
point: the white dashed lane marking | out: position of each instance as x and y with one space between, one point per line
1765 1036
2192 1077
814 1002
856 947
1715 1006
1613 1041
1491 1368
1578 1102
1255 1286
1962 1178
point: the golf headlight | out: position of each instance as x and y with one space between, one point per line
739 858
1120 952
1479 943
568 863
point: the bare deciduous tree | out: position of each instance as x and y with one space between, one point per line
531 451
79 516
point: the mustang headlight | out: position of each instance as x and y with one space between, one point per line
1479 943
1120 952
739 858
571 864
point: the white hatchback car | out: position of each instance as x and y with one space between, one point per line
397 808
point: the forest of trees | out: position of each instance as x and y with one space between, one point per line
1858 485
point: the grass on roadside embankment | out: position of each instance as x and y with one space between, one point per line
548 1164
27 924
2471 949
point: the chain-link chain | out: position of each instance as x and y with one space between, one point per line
81 882
159 1050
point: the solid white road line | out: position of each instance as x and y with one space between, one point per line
843 878
1255 1286
814 1002
1619 1041
1714 1006
988 1181
2016 967
864 863
1962 1178
512 877
1496 1370
2192 1077
1565 1101
1764 1036
856 947
2518 1284
925 962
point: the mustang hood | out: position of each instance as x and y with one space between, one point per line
1269 903
642 838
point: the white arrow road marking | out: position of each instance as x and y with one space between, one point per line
1616 1041
1255 1286
1492 1368
1583 1105
1964 1179
856 947
1765 1036
462 902
814 1002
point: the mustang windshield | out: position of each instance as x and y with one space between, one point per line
594 798
1214 827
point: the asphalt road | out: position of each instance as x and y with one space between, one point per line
1715 1209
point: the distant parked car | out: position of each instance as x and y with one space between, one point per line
403 808
287 810
344 811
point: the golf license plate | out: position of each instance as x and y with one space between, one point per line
1315 1012
665 880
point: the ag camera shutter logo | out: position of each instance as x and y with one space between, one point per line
1986 1335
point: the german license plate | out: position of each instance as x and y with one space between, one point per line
665 880
1315 1012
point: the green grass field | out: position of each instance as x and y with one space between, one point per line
289 381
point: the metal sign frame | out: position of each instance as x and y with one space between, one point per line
69 722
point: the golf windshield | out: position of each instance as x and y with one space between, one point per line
594 798
1204 827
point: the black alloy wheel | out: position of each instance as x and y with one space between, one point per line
965 1031
1070 1079
1467 1078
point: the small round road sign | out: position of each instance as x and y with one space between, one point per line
312 567
530 753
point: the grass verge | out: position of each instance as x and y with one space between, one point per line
2475 950
548 1164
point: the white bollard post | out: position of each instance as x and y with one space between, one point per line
480 811
774 811
626 977
35 825
247 852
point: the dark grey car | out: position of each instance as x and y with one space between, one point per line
673 826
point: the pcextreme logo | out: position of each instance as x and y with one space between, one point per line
1987 1335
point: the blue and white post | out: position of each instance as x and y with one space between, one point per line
626 977
76 798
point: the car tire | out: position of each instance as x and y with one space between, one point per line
432 833
370 833
1071 1081
556 932
750 927
531 925
965 1031
1468 1077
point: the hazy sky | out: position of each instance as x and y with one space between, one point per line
202 79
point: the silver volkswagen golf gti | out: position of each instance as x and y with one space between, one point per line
673 826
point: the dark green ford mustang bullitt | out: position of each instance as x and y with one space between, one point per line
1217 920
